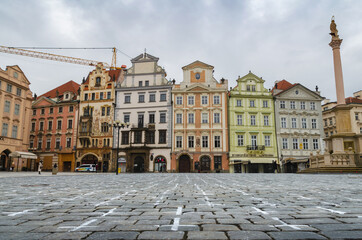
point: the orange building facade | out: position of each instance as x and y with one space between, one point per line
200 124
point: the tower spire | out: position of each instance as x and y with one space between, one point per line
338 75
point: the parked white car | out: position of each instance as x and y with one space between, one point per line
86 168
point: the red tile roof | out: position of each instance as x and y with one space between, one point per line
351 100
283 85
70 86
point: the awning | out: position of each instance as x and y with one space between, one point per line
28 155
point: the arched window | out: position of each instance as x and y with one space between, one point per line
160 164
98 81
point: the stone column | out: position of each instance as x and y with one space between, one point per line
338 75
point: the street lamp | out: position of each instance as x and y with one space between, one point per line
117 125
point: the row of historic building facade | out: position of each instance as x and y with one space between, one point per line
138 119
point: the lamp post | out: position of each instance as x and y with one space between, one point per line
117 125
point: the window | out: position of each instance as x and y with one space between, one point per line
147 83
205 141
150 137
312 105
285 143
51 110
125 137
216 99
59 124
360 130
282 104
40 143
248 88
108 111
141 98
126 118
304 123
60 109
253 88
254 142
267 141
70 123
216 117
162 136
205 117
151 118
4 131
9 88
7 106
93 96
138 137
140 83
217 141
178 141
41 126
42 111
178 118
98 81
49 141
101 96
330 121
85 96
314 123
266 120
162 117
356 116
50 125
265 103
283 122
69 143
252 103
240 140
252 120
190 100
294 123
15 75
84 127
179 100
17 109
108 95
71 108
295 143
14 133
18 92
292 104
152 97
325 122
34 112
57 143
163 97
127 99
191 141
239 119
33 126
315 144
204 100
103 111
238 102
302 105
191 118
305 143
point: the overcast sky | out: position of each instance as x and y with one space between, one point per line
274 39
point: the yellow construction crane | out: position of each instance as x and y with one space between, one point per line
60 58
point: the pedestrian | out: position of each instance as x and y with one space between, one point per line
40 166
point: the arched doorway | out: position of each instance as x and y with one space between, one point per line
205 163
5 160
139 164
89 159
160 164
184 164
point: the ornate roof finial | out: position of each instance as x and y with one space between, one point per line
144 55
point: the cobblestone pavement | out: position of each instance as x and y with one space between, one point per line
181 206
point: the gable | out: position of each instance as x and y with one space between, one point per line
250 76
197 64
43 102
298 91
197 89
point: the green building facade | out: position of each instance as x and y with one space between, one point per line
252 138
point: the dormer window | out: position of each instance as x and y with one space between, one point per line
66 96
98 81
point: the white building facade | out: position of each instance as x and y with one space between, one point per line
298 115
143 105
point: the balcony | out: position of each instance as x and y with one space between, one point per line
84 134
255 147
